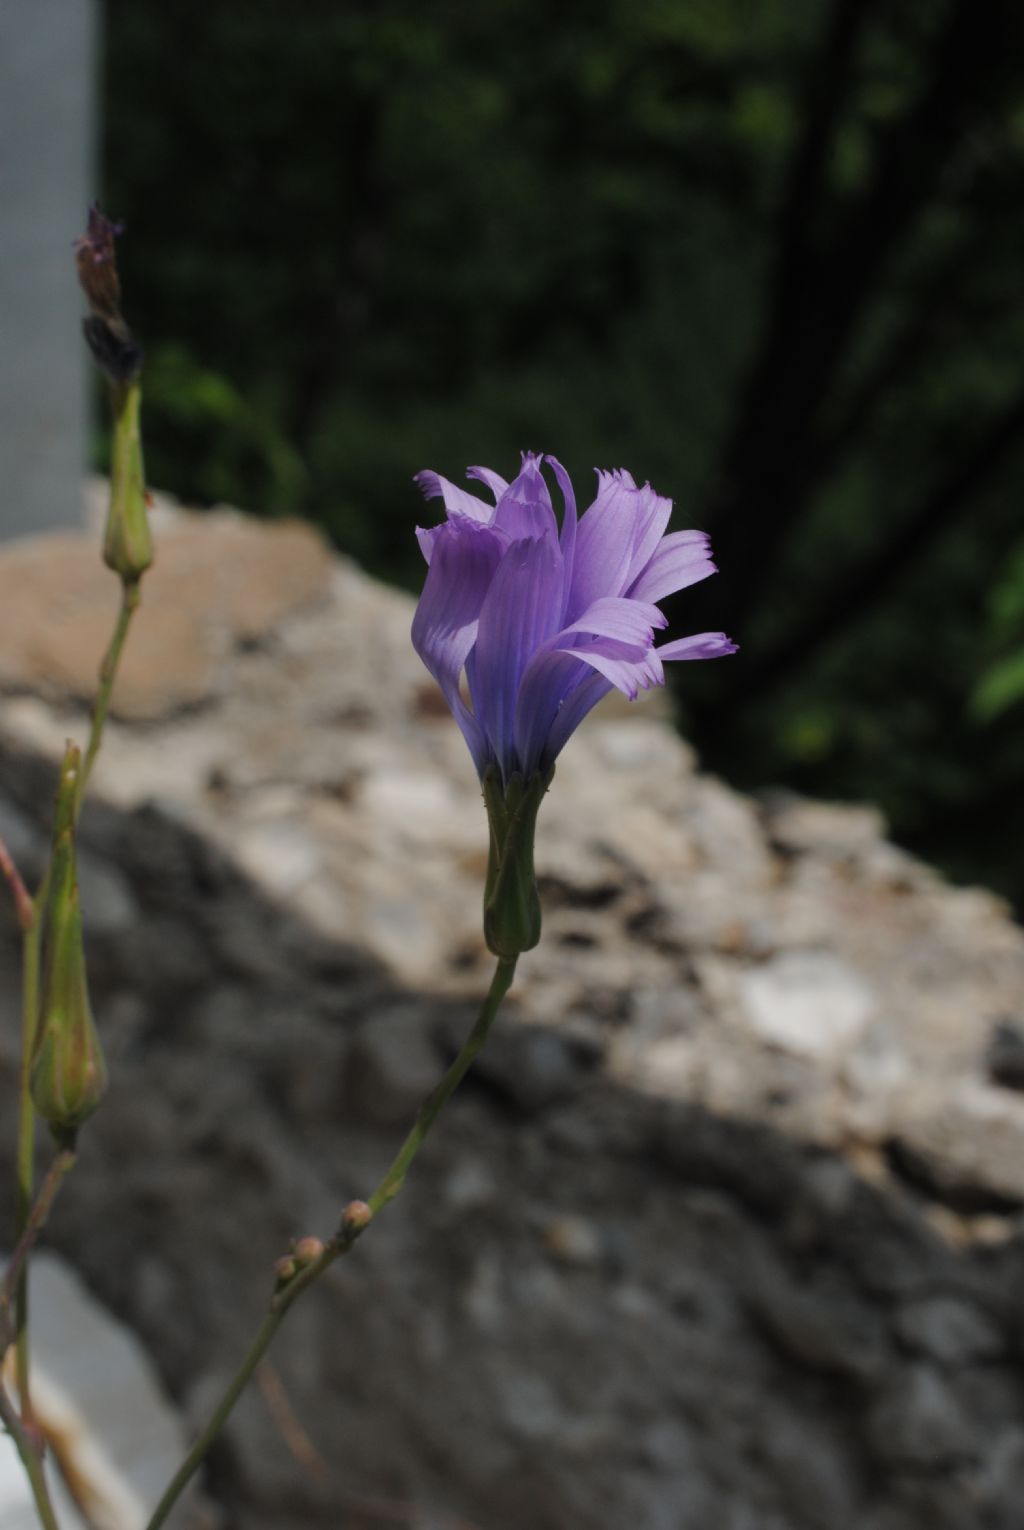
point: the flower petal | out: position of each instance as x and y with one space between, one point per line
618 618
571 713
604 543
426 536
525 509
702 645
444 628
494 481
456 501
630 676
548 685
652 517
681 559
520 612
567 536
613 628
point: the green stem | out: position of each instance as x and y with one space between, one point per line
34 1224
130 596
26 1137
31 1459
392 1182
23 905
31 943
188 1468
435 1103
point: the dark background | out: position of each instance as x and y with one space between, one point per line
766 253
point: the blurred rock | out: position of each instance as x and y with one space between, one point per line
1005 1056
59 602
724 1230
949 1331
919 1423
114 1439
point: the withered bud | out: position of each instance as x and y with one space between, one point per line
114 347
97 264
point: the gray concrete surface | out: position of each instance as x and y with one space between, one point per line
47 74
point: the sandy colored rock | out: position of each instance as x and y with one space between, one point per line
725 1227
218 581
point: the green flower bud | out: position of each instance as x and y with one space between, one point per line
355 1218
69 1075
306 1250
127 542
511 900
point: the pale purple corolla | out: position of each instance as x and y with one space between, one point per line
541 620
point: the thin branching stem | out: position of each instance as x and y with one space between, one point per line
290 1290
31 1459
34 1224
31 951
23 905
30 945
130 597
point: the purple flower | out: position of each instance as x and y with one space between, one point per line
543 621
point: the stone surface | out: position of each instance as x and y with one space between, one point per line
114 1440
723 1231
217 584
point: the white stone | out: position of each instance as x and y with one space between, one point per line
111 1429
280 855
808 1002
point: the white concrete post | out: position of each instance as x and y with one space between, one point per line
47 79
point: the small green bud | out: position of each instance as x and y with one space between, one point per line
127 542
69 1075
355 1217
306 1250
511 900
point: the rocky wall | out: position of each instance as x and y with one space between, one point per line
723 1232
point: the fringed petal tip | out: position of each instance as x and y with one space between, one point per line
702 645
541 620
428 482
492 480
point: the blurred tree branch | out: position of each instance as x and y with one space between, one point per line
853 597
773 459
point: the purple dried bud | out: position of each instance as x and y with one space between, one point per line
97 264
114 350
113 346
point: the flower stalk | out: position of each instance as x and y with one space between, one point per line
127 549
35 1222
130 597
23 907
295 1276
25 1167
31 1458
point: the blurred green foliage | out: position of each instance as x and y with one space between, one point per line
764 252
